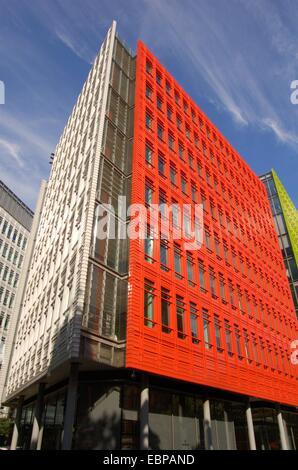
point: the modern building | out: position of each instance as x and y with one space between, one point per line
285 217
131 343
15 223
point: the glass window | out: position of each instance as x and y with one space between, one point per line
217 333
161 164
149 121
177 261
148 193
222 288
190 269
173 175
149 303
160 131
206 329
194 322
164 255
228 337
183 184
165 310
202 276
148 154
238 341
212 282
149 244
180 316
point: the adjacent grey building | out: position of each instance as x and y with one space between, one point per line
15 224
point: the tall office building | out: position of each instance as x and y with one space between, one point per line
127 343
15 224
286 224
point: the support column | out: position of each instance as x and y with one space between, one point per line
71 402
37 417
250 428
17 423
207 425
144 414
283 437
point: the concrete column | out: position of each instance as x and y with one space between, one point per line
207 425
37 420
144 415
250 428
71 403
283 437
17 423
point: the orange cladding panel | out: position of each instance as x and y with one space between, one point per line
223 315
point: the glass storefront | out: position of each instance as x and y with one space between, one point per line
266 429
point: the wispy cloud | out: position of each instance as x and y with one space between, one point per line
12 150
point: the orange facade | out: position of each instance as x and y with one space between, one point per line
221 316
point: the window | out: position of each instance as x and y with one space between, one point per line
189 262
176 214
202 276
216 244
161 164
217 333
169 113
206 329
162 203
158 78
207 239
255 349
149 303
159 103
148 193
149 244
164 255
168 87
181 151
239 293
246 345
190 160
212 283
177 261
199 168
160 131
183 183
238 342
165 310
222 288
148 154
180 316
193 322
179 123
228 337
148 92
171 141
173 175
203 200
226 251
231 292
149 121
212 210
248 310
194 193
148 67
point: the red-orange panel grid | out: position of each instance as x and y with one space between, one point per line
243 253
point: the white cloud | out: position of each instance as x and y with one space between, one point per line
12 150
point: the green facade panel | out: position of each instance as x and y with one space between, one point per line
290 214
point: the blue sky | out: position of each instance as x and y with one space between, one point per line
236 58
